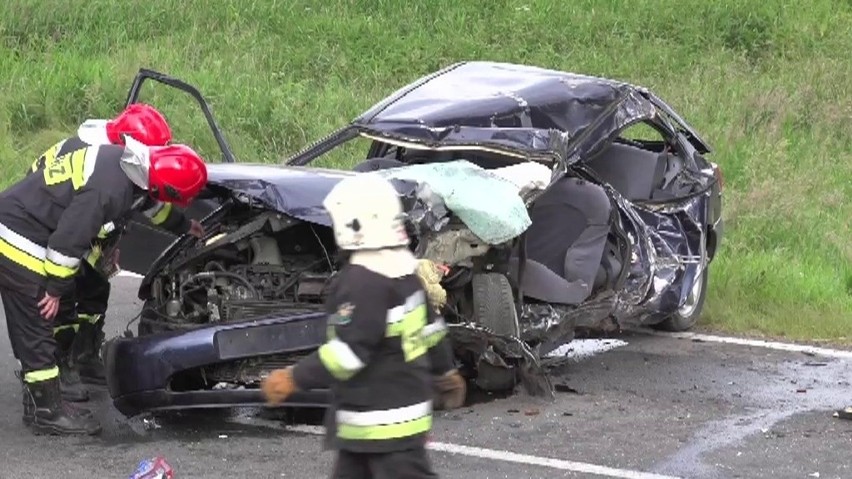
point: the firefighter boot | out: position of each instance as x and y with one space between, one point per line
69 378
28 405
46 413
86 352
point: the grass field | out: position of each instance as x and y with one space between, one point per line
766 82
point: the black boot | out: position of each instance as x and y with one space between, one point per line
28 404
69 379
87 352
46 413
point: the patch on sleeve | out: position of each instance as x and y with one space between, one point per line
343 316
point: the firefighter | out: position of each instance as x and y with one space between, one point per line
384 343
79 326
47 223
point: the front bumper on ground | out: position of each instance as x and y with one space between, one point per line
139 370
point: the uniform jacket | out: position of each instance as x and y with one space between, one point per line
49 219
384 344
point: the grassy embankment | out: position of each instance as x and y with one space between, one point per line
768 83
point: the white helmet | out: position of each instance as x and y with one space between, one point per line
366 212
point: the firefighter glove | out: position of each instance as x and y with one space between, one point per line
451 389
278 385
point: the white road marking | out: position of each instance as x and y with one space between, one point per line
792 347
128 274
507 456
580 349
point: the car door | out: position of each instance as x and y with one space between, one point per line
142 242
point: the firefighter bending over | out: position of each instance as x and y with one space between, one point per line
78 328
47 223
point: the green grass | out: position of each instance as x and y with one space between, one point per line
767 82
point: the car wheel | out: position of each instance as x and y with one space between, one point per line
494 304
687 315
494 308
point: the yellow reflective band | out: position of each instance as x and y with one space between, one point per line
78 159
339 359
94 255
410 331
106 229
41 375
57 270
385 431
434 333
89 318
36 265
163 214
58 329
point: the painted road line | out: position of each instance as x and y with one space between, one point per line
507 456
128 274
580 349
792 347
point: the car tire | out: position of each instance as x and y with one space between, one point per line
492 299
687 315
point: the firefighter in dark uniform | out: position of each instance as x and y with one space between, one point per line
47 223
384 344
79 325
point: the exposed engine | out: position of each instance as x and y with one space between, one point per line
271 264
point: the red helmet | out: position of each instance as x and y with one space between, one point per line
176 175
142 122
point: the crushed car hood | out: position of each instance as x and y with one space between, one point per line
292 190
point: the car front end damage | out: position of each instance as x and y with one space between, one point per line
215 308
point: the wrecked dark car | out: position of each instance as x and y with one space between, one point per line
539 210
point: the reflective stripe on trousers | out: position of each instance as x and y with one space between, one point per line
386 424
41 375
34 257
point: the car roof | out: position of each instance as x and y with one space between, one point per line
520 108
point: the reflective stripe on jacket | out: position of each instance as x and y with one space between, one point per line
384 343
49 218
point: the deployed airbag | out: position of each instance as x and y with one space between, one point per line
489 205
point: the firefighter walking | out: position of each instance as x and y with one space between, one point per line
384 343
47 223
79 325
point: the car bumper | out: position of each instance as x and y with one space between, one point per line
139 370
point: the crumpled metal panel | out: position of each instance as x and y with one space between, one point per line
535 111
511 354
674 243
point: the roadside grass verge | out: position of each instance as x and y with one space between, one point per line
767 83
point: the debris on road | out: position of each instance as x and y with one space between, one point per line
154 468
564 388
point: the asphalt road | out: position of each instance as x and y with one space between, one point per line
659 405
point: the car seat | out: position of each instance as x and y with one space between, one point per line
568 235
633 172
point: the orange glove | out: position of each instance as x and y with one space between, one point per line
278 385
452 390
